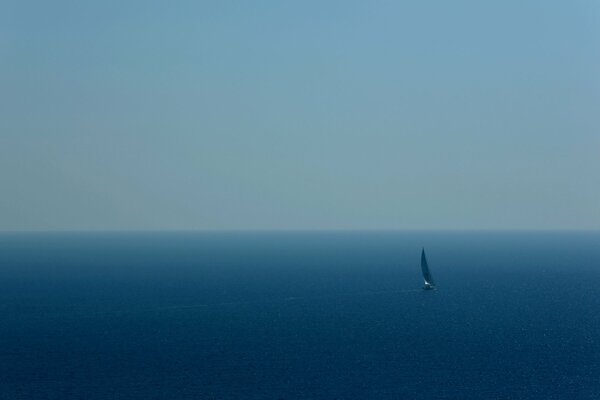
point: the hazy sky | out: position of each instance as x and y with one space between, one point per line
299 114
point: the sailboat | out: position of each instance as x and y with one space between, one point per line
429 283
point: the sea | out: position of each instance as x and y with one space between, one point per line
299 315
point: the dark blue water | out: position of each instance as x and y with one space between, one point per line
299 316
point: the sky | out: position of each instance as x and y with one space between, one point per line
152 115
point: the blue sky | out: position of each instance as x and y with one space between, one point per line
299 115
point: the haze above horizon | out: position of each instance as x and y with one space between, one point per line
299 115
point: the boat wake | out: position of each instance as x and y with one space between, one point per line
216 305
286 299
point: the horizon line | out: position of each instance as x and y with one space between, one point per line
292 230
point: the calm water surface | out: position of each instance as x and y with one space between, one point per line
284 315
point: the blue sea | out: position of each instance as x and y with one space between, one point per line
299 315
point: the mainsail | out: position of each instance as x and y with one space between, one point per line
429 283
